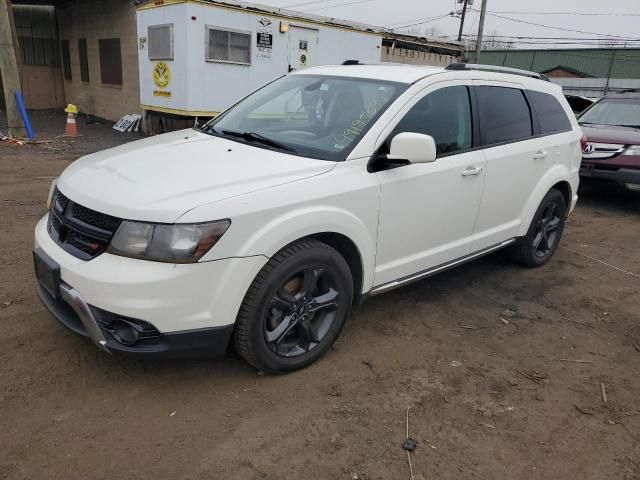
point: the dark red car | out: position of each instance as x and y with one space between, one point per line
612 128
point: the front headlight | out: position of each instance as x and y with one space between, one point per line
632 150
175 243
52 188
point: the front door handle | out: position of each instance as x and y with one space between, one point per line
471 171
540 154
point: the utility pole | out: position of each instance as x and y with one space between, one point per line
483 11
464 12
9 71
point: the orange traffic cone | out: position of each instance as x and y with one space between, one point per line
71 129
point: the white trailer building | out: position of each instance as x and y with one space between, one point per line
198 57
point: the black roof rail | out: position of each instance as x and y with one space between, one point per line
630 90
351 62
496 69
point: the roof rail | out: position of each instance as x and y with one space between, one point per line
351 62
496 69
630 90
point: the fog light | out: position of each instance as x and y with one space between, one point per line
633 186
124 332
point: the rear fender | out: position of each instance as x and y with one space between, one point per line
558 173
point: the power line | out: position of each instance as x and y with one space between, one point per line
570 13
426 21
555 38
417 20
557 28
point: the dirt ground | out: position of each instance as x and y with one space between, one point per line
501 368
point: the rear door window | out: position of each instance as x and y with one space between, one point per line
550 113
504 114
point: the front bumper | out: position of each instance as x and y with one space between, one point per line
190 308
621 176
81 318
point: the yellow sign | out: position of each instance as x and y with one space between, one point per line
161 93
161 74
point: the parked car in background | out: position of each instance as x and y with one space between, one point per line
326 186
612 128
578 103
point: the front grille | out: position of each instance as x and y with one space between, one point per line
82 232
96 219
602 151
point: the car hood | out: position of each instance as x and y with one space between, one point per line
611 134
160 178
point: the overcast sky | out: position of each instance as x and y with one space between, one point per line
623 21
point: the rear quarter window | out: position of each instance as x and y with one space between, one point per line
504 114
551 115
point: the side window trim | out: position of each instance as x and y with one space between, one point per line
535 120
476 139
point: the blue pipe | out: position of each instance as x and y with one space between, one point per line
25 117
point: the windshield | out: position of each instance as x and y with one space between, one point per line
316 116
614 111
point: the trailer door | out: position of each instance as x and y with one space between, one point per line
303 45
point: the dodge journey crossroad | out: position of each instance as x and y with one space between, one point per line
259 230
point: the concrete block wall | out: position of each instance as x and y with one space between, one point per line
95 20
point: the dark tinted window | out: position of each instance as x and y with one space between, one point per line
66 59
550 113
504 114
445 115
83 59
110 61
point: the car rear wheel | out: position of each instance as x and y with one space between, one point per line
542 238
295 308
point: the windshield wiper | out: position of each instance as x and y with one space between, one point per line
256 137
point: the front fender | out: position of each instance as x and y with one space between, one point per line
292 225
558 173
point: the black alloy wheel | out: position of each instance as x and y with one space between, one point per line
544 234
302 311
547 227
295 308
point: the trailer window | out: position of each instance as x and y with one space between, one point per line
160 38
229 46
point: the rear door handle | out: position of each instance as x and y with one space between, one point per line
540 154
471 171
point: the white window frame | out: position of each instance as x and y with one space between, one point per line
163 25
208 28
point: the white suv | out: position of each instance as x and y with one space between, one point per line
328 185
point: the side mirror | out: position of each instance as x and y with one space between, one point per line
412 147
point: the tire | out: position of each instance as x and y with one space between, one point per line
295 308
544 234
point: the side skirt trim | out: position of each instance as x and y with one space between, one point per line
437 269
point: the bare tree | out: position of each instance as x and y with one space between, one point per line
490 41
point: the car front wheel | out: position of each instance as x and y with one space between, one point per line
295 308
